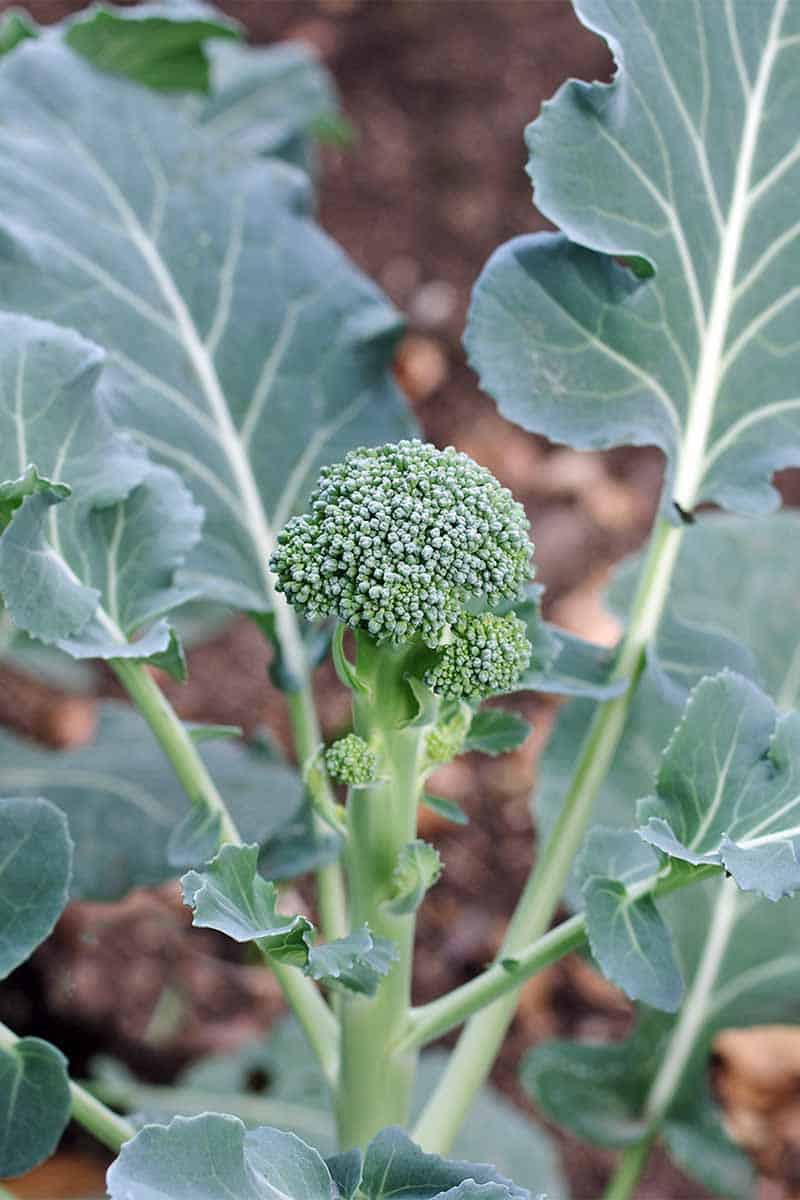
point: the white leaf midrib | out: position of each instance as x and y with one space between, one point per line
257 524
691 458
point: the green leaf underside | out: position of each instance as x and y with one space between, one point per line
728 788
122 800
171 269
158 45
213 1157
35 1104
494 732
35 869
701 359
721 612
110 530
740 957
46 663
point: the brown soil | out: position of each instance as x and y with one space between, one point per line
439 92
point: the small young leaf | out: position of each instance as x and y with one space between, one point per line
417 869
159 45
494 731
35 1104
214 1157
200 732
728 789
14 491
357 962
35 870
230 895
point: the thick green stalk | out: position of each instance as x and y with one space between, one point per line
375 1082
477 1049
308 1005
109 1128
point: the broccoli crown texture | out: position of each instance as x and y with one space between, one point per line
351 761
487 654
399 538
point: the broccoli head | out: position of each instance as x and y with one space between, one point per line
350 760
487 654
399 539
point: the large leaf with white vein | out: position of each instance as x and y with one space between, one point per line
689 160
122 800
244 350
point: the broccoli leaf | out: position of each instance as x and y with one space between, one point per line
688 162
627 934
494 731
244 349
159 45
93 532
267 99
740 956
728 788
710 615
35 870
35 1103
357 962
394 1164
213 1157
228 894
122 800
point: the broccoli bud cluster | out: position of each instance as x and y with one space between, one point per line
487 654
399 538
351 761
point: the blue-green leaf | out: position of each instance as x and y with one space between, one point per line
728 788
35 870
213 1157
123 802
244 349
393 1165
494 731
35 1103
357 962
687 163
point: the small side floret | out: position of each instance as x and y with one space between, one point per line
399 538
487 655
350 760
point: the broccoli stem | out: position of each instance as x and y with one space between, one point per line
375 1085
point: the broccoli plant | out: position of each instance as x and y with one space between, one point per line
197 406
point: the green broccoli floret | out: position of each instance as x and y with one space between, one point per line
350 760
399 539
487 655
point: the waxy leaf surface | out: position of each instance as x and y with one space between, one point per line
92 533
213 1157
687 163
35 1103
122 800
244 350
394 1165
740 956
35 870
